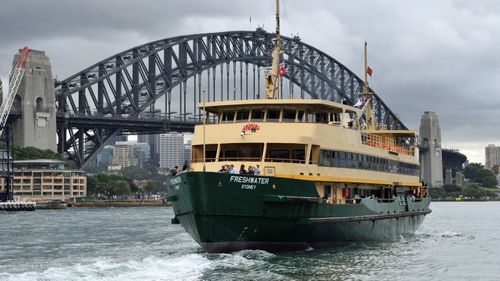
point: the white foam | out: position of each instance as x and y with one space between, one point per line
186 267
451 234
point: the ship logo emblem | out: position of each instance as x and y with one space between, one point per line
250 128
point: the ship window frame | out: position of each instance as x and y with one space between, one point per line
227 113
260 119
238 118
288 119
296 157
275 120
301 116
279 150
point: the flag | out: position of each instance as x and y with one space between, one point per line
369 70
282 69
359 102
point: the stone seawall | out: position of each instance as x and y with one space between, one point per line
120 203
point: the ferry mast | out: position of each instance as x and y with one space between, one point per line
272 79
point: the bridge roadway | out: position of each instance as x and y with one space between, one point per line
128 125
140 125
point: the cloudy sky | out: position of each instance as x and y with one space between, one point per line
428 55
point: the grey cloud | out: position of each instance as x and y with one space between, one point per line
427 55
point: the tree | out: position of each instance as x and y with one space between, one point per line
149 188
477 173
475 192
494 169
109 185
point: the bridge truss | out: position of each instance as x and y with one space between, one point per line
119 94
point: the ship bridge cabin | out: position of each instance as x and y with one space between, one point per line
316 140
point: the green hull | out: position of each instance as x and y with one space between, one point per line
225 212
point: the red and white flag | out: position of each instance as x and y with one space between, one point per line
369 70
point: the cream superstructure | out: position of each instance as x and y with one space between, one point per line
316 140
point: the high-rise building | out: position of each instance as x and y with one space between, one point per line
122 156
171 150
154 139
154 146
492 155
105 156
141 153
187 152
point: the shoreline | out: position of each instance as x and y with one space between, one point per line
120 203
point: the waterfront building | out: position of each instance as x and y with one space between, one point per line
46 179
171 150
492 155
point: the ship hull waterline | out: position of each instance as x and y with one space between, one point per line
224 212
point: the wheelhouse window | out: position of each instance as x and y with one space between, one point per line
242 116
228 117
273 115
288 116
301 116
257 115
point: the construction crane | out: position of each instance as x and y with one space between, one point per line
15 76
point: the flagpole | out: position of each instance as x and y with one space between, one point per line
369 113
204 123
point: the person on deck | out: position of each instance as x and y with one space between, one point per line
242 169
256 170
232 170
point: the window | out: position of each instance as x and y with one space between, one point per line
301 116
298 154
257 115
273 116
288 116
242 116
230 154
210 155
343 159
281 154
228 117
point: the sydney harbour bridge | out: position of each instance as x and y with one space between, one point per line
156 87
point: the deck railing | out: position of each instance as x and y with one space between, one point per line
252 159
386 143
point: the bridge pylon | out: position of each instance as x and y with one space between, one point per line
35 101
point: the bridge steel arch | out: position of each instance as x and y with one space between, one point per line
94 104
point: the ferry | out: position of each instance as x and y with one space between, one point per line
289 174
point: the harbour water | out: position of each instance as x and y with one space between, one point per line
458 241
